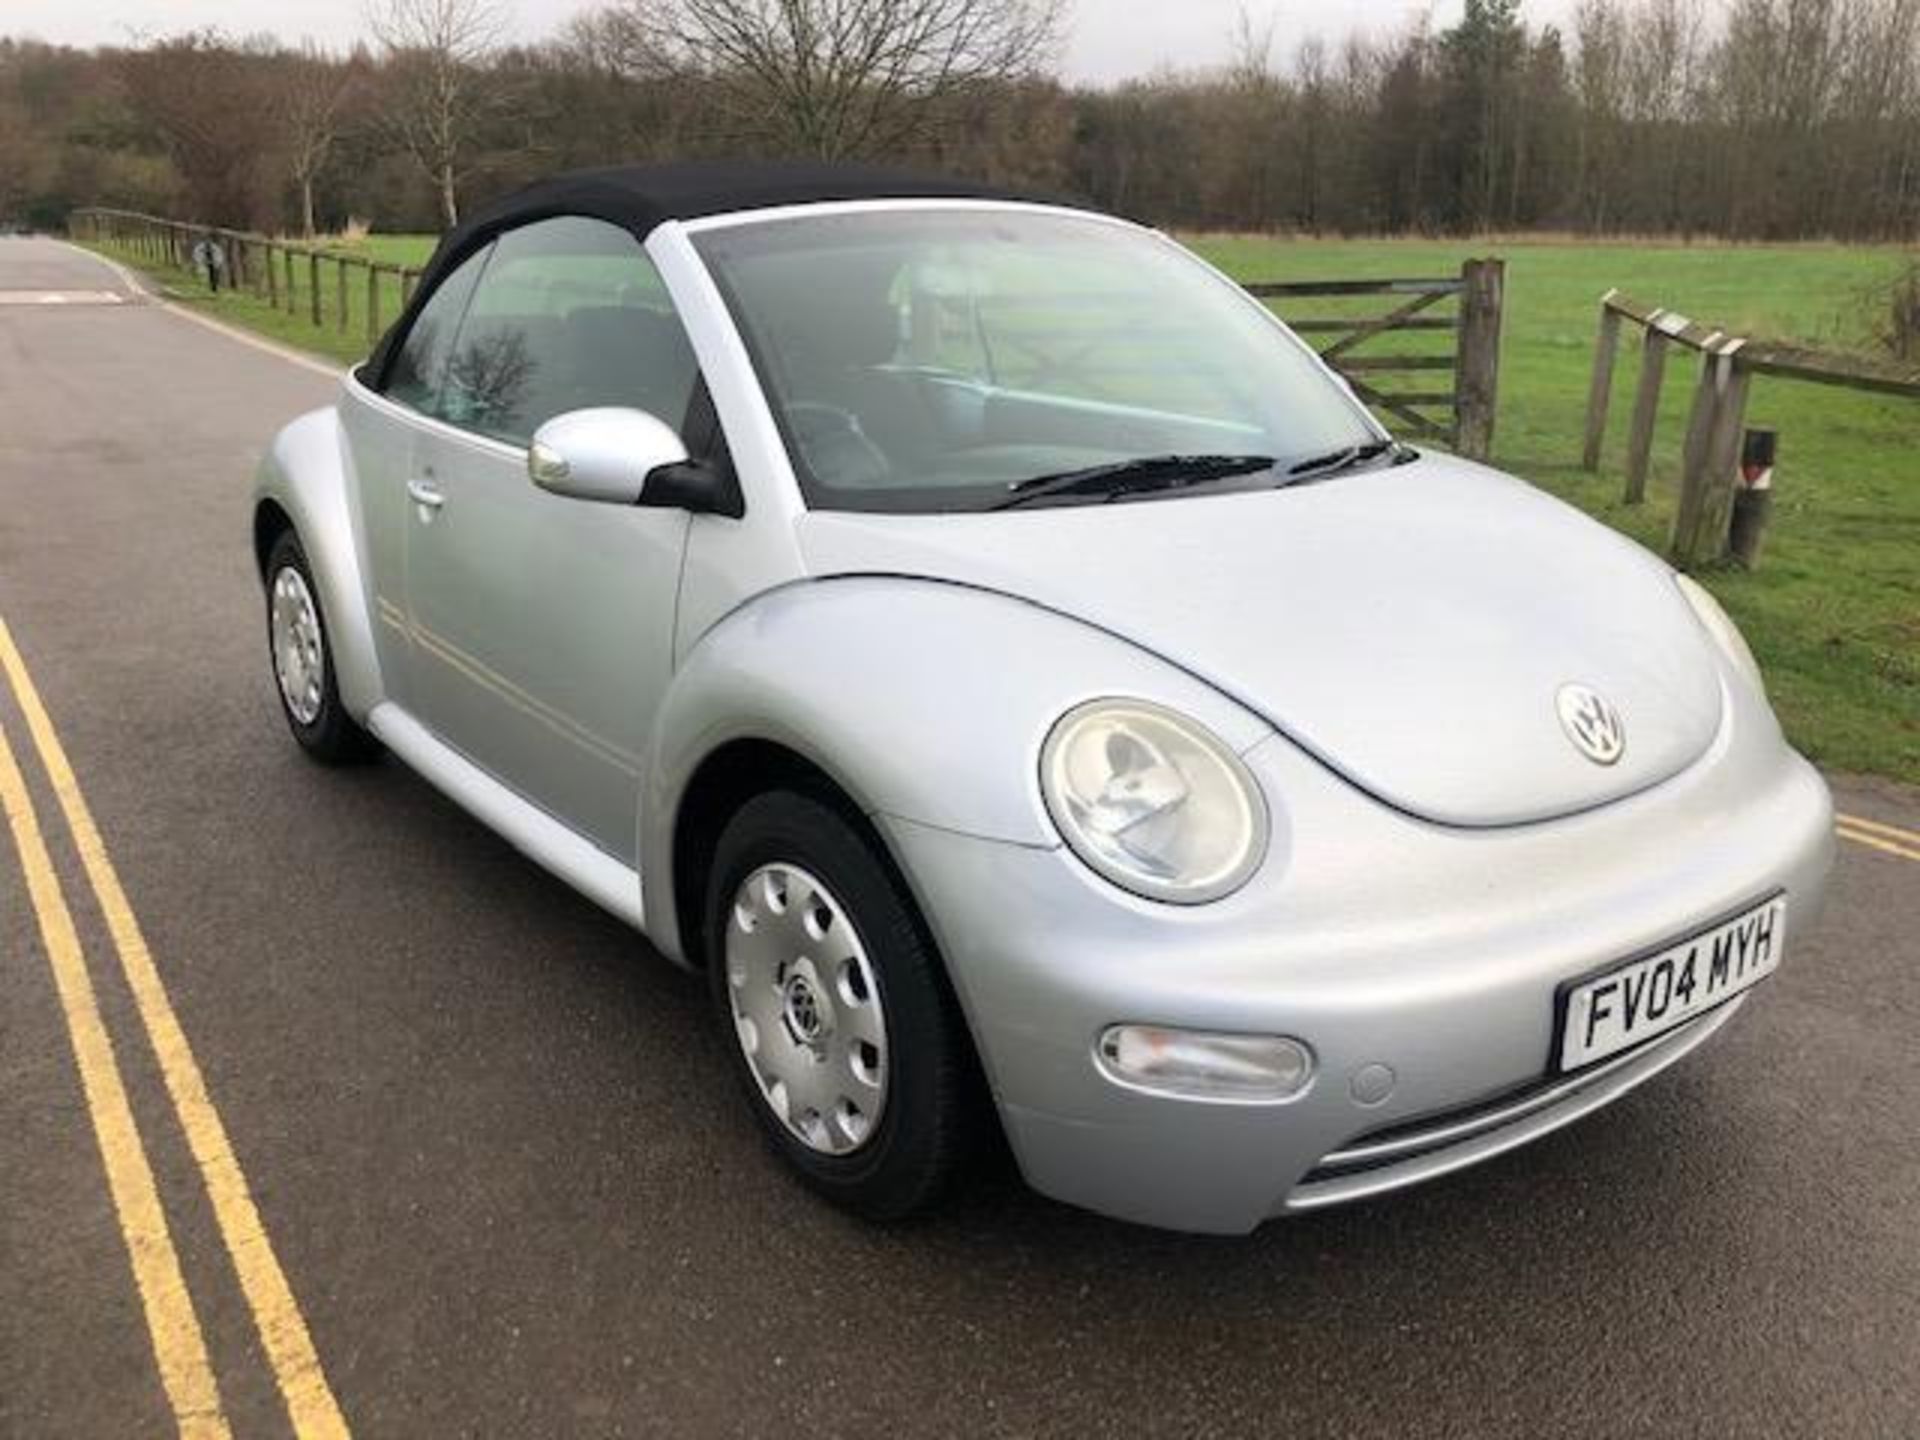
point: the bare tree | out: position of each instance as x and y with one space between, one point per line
312 94
1749 118
630 40
436 50
1250 56
841 78
191 92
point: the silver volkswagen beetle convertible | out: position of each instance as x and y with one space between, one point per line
1017 672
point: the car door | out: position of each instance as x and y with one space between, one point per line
543 626
383 432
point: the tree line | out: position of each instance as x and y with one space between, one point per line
1752 119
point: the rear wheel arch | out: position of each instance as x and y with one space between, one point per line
300 645
302 488
270 522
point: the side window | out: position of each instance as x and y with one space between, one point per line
569 314
421 364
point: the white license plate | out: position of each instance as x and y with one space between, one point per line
1633 1002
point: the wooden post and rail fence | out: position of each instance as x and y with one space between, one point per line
1716 425
290 277
1457 408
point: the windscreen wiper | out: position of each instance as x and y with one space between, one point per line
1347 457
1127 477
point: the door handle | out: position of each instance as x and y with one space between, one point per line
426 494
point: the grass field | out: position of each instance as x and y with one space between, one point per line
1834 611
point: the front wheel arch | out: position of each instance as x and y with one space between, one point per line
726 780
938 1110
723 782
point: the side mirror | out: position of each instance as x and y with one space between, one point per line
604 454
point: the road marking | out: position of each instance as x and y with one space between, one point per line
60 297
1880 827
179 1348
283 1331
1875 842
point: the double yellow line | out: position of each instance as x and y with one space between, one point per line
179 1345
1878 835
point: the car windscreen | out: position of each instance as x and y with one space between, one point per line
935 359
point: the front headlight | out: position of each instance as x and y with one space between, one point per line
1152 801
1725 633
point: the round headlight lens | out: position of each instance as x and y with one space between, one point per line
1724 632
1152 801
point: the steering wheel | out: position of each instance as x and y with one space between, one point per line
835 447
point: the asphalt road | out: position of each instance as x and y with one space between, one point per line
499 1164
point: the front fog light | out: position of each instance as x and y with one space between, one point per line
1197 1065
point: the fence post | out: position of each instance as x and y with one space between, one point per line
373 306
340 284
272 268
1723 461
1713 439
1600 391
313 288
1646 410
1476 378
1686 515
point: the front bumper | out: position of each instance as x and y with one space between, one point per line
1377 939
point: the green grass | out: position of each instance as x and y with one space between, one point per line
1833 611
384 249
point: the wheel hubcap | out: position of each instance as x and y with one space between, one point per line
806 1010
806 1013
299 654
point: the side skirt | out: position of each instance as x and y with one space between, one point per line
529 829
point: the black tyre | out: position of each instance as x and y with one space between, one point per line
302 658
847 1038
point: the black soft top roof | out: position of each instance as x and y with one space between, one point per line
641 197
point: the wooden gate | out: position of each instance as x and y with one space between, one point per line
1454 389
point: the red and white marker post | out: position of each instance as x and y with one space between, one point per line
1753 496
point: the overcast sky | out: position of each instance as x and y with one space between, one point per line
1106 39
